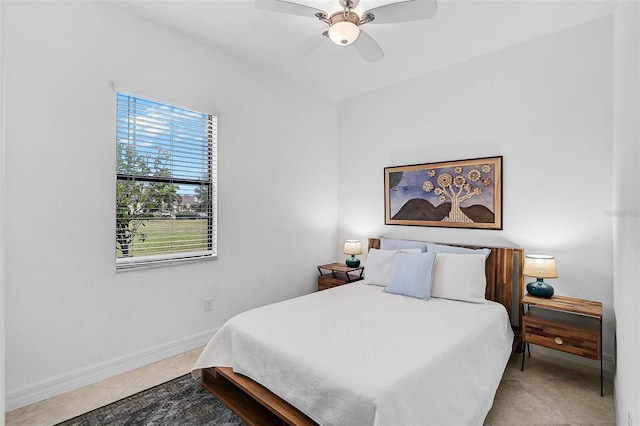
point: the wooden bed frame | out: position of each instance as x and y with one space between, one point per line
256 405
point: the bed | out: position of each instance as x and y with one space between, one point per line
358 354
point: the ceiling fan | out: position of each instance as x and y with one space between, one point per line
344 24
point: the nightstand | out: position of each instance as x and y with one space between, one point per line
565 324
337 274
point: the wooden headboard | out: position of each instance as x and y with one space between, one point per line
504 280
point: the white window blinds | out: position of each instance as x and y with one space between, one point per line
166 183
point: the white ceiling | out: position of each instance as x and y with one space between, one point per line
459 31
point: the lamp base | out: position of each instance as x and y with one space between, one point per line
540 289
352 262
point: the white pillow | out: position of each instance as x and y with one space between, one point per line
379 267
460 277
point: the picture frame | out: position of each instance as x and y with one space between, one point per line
454 194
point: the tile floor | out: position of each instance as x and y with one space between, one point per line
79 401
550 391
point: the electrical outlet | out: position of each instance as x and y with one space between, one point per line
208 304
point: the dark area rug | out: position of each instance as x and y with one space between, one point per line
181 401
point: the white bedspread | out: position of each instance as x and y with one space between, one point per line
354 355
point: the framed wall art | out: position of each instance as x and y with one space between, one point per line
458 194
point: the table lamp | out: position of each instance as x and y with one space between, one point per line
540 266
352 247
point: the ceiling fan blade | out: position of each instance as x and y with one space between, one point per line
288 7
404 11
368 48
309 46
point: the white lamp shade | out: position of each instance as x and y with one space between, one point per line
540 266
344 32
352 247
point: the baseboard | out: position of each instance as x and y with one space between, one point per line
67 382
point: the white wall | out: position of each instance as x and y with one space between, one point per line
546 106
626 211
2 180
69 316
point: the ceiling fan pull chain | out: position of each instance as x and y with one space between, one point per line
347 9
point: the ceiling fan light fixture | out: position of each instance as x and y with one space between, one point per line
344 33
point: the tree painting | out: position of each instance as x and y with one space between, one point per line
463 193
457 189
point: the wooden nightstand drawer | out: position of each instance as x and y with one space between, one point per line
581 340
327 281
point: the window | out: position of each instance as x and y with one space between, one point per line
166 183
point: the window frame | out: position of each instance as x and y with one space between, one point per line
154 260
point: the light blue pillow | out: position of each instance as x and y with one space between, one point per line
443 248
391 244
412 275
